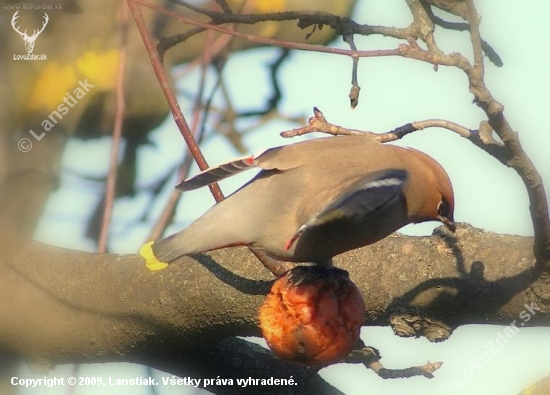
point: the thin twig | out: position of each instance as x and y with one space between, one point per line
479 66
117 132
75 372
408 51
489 51
318 123
115 146
167 214
304 20
223 5
423 25
273 101
169 94
268 41
355 88
370 358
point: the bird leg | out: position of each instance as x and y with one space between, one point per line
301 275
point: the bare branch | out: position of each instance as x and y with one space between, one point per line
355 88
370 358
516 157
459 8
223 5
318 123
482 137
169 94
423 25
117 132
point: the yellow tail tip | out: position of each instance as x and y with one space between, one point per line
153 263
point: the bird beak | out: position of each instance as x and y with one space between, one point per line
448 222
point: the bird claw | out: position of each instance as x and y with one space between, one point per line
301 275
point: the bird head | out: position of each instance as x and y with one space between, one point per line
433 195
444 210
445 213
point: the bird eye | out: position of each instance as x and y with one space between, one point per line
445 215
443 208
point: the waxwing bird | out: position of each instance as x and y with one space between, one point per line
315 199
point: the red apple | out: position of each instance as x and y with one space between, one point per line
314 319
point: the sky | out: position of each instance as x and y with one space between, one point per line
394 91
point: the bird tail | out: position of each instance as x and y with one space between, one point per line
221 226
160 253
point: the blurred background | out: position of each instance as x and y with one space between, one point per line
237 100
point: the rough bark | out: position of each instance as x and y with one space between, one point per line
59 306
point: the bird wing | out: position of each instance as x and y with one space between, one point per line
363 197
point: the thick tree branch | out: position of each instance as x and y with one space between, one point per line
237 358
442 281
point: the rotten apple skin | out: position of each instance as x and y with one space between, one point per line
312 315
